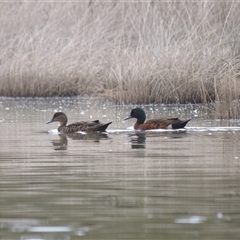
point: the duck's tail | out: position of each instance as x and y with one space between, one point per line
180 124
102 127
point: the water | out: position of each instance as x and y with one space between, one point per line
120 184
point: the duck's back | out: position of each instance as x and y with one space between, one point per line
162 123
84 126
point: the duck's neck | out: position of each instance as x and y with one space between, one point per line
141 119
63 122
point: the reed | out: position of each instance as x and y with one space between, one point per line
138 52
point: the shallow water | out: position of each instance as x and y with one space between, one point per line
120 184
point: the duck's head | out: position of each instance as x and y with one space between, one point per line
137 113
59 117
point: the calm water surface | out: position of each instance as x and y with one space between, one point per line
119 184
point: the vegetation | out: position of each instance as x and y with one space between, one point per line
138 52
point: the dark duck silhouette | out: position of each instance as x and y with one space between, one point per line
85 126
162 123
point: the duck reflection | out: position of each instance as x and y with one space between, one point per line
138 140
178 134
62 142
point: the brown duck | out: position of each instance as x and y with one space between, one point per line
88 126
162 123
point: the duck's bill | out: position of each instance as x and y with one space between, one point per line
126 118
49 121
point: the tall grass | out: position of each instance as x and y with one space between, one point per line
138 52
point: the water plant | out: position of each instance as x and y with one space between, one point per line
132 52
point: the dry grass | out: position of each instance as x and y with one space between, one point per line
136 53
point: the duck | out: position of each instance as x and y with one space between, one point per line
162 123
87 126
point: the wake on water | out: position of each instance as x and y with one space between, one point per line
187 129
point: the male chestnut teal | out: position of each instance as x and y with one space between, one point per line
162 123
88 126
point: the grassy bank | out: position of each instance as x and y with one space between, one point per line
126 52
